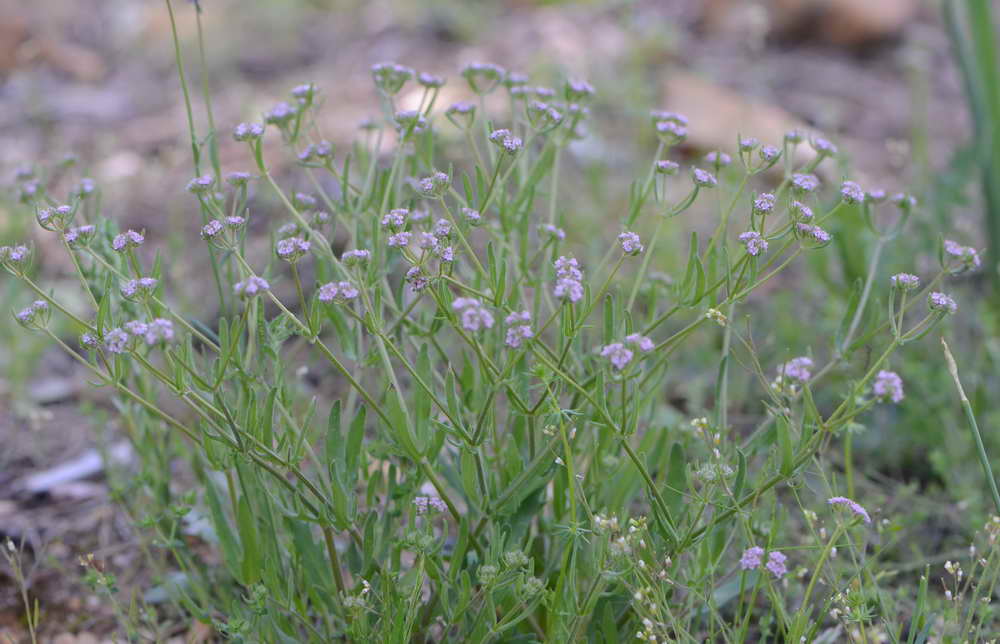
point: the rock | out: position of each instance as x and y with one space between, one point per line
847 23
717 114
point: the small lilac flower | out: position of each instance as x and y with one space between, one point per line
398 240
483 78
126 240
426 240
803 183
472 217
667 167
79 235
801 211
567 288
514 79
445 253
409 122
852 192
794 136
234 221
751 558
238 179
395 218
519 329
304 92
292 249
472 313
718 159
159 330
339 291
15 254
89 340
815 232
642 342
430 81
287 230
875 196
554 232
304 201
116 340
578 90
29 315
251 286
776 564
631 245
426 504
967 255
764 203
851 505
703 179
355 257
461 114
568 267
415 278
280 114
889 385
671 132
136 327
543 116
796 369
211 229
442 228
617 354
904 201
769 154
659 116
748 144
823 147
201 185
941 302
390 77
248 131
435 185
754 242
905 281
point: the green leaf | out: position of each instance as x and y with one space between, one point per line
784 445
251 567
677 483
355 436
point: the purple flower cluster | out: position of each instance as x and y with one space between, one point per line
395 218
851 192
619 354
667 167
398 240
889 385
473 314
142 286
518 329
79 235
703 179
804 183
355 257
426 504
340 291
754 242
506 141
941 302
554 232
967 255
801 211
37 309
292 249
631 245
850 505
753 557
718 159
248 131
797 369
764 203
126 240
905 281
251 286
814 232
569 279
390 77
